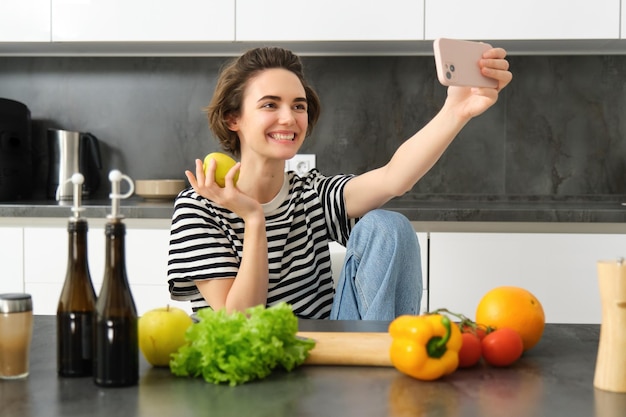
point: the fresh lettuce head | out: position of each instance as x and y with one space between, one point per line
239 347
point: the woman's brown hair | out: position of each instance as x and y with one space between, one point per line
228 96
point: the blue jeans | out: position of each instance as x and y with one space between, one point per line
382 273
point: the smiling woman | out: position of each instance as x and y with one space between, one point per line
265 239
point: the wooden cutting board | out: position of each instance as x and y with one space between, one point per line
349 348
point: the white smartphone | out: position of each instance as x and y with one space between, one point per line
457 63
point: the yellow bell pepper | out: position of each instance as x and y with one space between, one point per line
425 347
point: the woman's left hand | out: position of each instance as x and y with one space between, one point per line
472 101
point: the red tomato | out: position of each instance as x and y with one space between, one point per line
470 352
502 347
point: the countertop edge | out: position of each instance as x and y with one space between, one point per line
515 216
418 226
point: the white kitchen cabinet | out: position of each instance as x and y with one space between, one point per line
25 21
323 27
522 19
423 240
45 263
330 20
623 19
45 255
142 20
559 269
11 259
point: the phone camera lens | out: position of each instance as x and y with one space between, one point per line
448 75
451 68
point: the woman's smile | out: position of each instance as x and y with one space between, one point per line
280 136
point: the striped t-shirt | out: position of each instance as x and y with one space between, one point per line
206 242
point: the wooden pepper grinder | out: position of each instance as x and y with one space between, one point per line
610 374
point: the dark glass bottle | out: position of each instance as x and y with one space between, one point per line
76 308
116 359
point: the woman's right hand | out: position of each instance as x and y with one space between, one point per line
228 197
472 102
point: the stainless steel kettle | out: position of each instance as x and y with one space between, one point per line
72 152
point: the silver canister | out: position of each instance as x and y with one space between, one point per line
16 331
72 152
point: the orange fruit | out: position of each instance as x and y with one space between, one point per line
515 308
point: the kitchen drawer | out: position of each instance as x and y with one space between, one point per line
559 269
11 260
45 255
45 265
146 256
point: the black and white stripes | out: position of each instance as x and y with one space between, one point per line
309 212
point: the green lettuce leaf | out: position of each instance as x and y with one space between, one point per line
239 347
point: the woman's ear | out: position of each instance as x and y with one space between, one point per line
232 122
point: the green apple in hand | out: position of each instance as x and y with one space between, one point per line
161 333
224 164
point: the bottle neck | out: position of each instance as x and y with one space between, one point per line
77 294
115 298
115 232
77 241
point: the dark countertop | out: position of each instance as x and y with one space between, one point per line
538 210
132 208
596 209
553 379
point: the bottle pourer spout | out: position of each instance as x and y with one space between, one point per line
116 177
77 179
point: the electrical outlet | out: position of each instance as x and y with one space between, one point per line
301 163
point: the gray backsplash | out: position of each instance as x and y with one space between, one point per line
557 130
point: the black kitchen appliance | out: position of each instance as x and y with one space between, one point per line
16 164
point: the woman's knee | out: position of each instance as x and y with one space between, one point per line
388 224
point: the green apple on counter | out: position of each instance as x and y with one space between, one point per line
161 333
224 164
